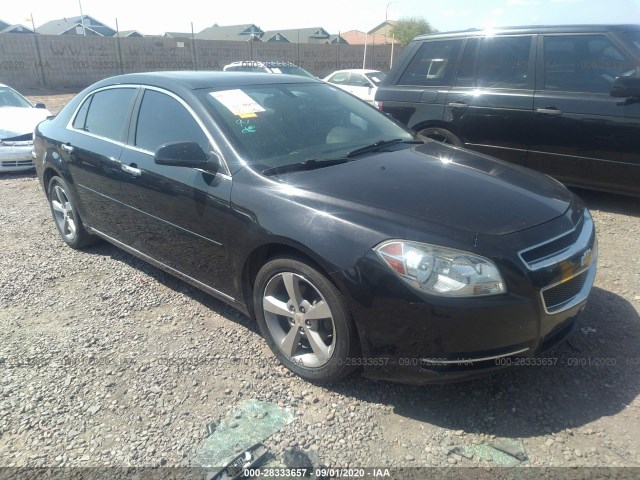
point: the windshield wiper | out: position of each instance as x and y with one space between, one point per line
379 145
310 164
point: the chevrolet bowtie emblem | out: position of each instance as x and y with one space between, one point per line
585 258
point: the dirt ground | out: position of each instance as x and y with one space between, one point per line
132 363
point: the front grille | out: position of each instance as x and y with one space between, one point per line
17 163
557 296
554 247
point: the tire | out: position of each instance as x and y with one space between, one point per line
304 320
65 215
441 135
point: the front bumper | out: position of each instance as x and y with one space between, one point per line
16 158
410 337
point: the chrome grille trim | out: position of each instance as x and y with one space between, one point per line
580 243
463 361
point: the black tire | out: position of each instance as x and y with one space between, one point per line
65 215
320 350
441 135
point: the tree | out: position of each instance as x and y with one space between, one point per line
407 28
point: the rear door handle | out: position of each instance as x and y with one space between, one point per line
549 111
133 171
67 147
458 105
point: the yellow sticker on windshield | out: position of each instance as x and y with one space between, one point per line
238 102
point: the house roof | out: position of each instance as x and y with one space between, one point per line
129 33
178 34
384 26
61 25
4 25
356 37
306 35
268 35
15 29
230 32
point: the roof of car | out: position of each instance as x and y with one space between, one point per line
532 29
197 80
357 70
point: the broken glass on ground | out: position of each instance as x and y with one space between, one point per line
248 423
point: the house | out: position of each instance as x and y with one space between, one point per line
384 32
8 28
316 35
374 37
85 25
180 35
231 32
128 33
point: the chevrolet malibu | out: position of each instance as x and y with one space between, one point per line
353 243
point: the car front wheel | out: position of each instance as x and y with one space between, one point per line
304 320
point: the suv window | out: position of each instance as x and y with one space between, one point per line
504 62
466 69
162 119
106 113
583 63
433 64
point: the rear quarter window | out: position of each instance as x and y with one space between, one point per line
433 64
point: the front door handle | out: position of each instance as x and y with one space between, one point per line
67 147
133 171
549 111
458 105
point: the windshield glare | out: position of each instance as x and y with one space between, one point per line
282 124
11 98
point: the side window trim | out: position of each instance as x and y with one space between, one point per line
134 123
70 126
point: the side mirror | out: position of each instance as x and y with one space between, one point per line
186 154
40 105
626 87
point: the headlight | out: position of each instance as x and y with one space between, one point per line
442 271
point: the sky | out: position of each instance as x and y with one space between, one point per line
334 15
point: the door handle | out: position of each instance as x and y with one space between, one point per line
67 147
549 111
458 105
133 171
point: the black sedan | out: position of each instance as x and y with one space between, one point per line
352 242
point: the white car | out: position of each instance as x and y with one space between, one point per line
360 82
18 119
267 67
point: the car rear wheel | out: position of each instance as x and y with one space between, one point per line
441 135
65 215
304 320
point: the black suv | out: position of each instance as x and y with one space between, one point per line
564 99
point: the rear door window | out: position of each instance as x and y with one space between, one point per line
433 64
504 62
107 113
340 78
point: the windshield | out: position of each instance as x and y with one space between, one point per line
633 39
281 124
376 77
11 98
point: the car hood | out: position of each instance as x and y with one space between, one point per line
16 121
450 186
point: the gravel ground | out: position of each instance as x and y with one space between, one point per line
107 361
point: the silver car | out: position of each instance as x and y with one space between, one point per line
18 119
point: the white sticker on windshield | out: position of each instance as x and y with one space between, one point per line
276 70
238 102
